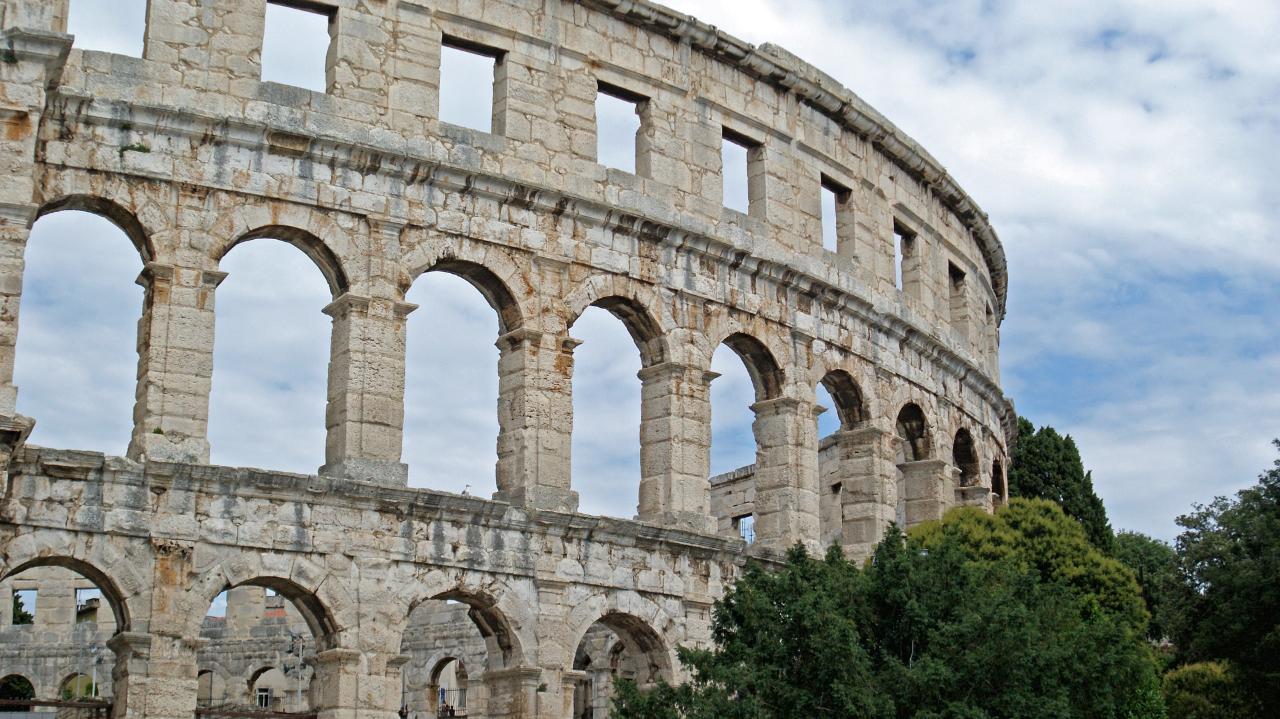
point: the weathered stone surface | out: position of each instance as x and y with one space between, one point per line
190 153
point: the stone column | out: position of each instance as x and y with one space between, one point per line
33 61
512 693
928 487
675 445
786 503
535 420
865 471
337 691
364 417
175 364
129 683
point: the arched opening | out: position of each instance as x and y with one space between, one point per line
449 687
271 353
452 377
266 632
998 482
458 644
16 687
78 686
616 647
965 457
79 290
211 688
748 374
52 610
618 338
913 430
845 410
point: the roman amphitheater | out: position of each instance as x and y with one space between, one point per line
348 593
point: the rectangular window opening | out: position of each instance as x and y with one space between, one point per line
834 198
959 306
24 606
742 173
264 698
617 126
467 75
903 249
295 45
745 526
117 26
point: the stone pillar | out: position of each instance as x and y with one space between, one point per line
175 364
129 684
33 61
928 487
512 693
364 417
675 445
336 690
863 468
786 503
535 420
572 682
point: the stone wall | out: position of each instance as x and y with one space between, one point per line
189 152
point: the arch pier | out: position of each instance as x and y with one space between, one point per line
346 586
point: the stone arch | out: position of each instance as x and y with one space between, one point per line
502 642
766 374
998 481
256 674
625 614
16 686
913 429
851 406
494 290
324 258
964 455
77 684
126 220
110 590
323 603
633 304
490 269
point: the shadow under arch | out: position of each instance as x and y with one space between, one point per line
913 429
502 645
641 639
488 284
643 328
766 375
318 618
964 455
110 590
850 407
112 211
310 245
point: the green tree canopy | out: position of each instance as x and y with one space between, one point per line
974 617
1156 566
1230 563
1047 465
1206 690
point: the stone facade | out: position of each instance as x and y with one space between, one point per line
190 153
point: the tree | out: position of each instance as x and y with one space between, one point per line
1229 554
1016 615
1047 465
1156 566
20 613
1206 690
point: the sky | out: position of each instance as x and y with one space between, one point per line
1125 151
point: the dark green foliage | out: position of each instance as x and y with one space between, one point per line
1207 690
16 687
1156 566
1011 616
1047 465
1230 563
20 613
